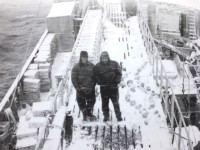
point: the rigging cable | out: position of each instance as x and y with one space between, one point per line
25 54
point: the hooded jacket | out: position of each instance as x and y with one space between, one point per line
83 75
108 74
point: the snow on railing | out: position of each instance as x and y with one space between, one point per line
161 75
88 39
91 38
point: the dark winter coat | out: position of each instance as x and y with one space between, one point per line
108 74
83 76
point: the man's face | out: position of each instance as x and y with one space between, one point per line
84 60
104 60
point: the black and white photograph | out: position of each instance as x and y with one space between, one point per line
99 75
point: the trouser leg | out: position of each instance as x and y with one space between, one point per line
90 99
81 101
105 106
114 95
105 102
90 104
115 102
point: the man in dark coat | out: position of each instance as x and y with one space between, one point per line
84 83
108 75
197 147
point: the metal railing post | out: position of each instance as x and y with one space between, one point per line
156 57
166 96
153 61
172 112
161 79
151 48
179 133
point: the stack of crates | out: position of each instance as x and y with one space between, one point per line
60 21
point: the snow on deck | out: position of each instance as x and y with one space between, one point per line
139 102
144 107
29 124
61 9
59 65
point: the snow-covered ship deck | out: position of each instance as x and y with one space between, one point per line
144 119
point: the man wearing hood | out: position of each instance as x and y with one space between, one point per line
108 75
84 83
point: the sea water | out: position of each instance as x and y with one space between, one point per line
22 23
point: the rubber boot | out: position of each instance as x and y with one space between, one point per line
106 118
119 119
91 116
85 116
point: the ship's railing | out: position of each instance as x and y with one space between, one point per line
82 43
163 82
64 87
11 94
